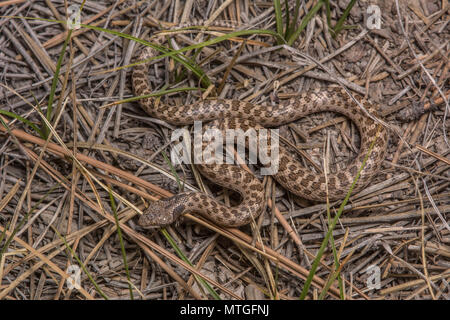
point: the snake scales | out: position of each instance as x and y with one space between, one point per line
291 174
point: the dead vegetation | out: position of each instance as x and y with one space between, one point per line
55 193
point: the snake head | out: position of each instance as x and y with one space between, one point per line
163 212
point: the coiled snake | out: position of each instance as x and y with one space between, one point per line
296 178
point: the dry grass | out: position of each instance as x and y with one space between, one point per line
100 144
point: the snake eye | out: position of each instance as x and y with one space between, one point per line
151 220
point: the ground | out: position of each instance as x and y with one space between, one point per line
58 175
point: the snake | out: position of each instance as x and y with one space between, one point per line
291 174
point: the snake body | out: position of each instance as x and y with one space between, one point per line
234 114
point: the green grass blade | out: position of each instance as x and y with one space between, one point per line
278 17
179 76
45 129
23 120
185 259
333 224
72 253
167 52
173 243
290 26
122 246
336 264
191 47
339 25
172 169
286 8
329 283
223 38
196 70
174 54
328 15
305 22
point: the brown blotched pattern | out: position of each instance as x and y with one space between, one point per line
291 175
